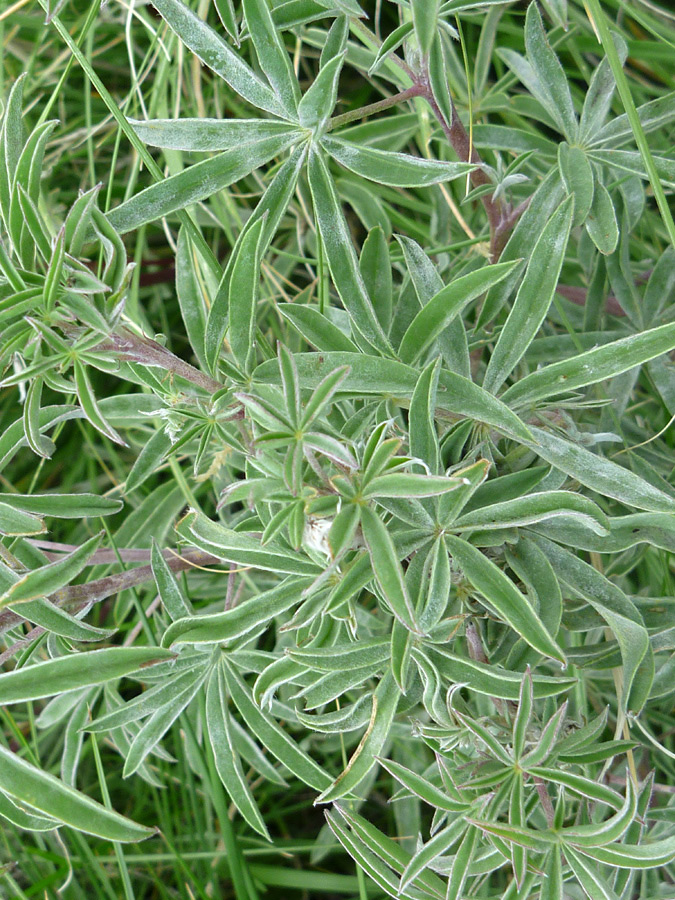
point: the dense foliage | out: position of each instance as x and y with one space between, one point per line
337 502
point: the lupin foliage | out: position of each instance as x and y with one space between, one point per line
386 515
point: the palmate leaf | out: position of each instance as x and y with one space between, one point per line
373 375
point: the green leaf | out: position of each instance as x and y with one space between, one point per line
533 299
157 725
64 506
25 820
171 595
371 375
452 342
598 473
422 416
577 177
198 181
192 292
592 366
589 876
601 223
319 100
491 680
43 792
438 845
422 788
228 763
652 115
15 522
322 395
341 257
89 404
599 97
425 20
387 568
504 597
533 508
79 670
436 583
344 657
243 289
405 484
206 135
385 702
241 549
272 736
38 443
375 269
446 305
393 169
609 601
648 855
57 621
542 205
600 834
552 88
271 209
272 56
50 578
376 870
234 623
215 53
336 40
316 328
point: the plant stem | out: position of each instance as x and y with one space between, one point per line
417 90
130 346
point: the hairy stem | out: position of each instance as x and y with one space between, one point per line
417 90
77 596
129 346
